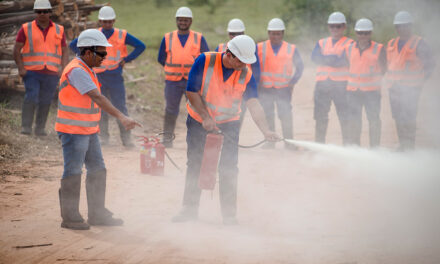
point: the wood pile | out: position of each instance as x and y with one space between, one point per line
72 14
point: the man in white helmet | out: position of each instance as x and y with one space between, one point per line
110 72
40 52
331 77
177 53
367 60
236 28
281 68
410 63
214 104
79 111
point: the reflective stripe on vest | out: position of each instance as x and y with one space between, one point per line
116 52
180 59
327 48
222 114
365 72
276 70
77 114
48 53
404 67
221 47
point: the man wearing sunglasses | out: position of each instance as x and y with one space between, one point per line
367 60
410 63
331 77
281 68
79 111
177 53
40 53
110 72
217 84
236 28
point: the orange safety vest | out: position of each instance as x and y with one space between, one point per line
222 98
404 67
327 48
365 72
39 53
115 53
276 70
221 47
77 114
180 59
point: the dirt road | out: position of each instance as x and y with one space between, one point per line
294 207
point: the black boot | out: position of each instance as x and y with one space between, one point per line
40 121
168 129
95 188
27 117
188 213
125 137
69 203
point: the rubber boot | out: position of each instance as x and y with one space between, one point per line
125 136
40 121
95 188
188 213
69 194
320 130
168 128
103 129
27 117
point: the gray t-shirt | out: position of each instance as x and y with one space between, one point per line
81 80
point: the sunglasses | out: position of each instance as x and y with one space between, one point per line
336 26
235 33
101 54
43 11
363 32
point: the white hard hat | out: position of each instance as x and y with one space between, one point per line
106 13
336 18
402 17
184 12
363 24
276 24
42 4
92 37
243 47
236 25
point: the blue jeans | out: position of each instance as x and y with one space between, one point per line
173 95
79 150
40 88
228 169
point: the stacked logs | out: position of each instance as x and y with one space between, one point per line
72 14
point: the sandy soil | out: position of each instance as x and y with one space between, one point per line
294 207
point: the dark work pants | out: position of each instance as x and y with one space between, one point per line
404 106
356 100
173 95
326 92
269 97
228 169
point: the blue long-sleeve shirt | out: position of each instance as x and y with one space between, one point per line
297 61
130 40
162 56
195 78
334 61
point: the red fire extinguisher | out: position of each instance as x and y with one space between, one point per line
211 157
152 156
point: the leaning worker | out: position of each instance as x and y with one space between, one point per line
236 28
110 72
367 60
331 77
281 68
77 124
410 63
177 53
40 52
217 84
